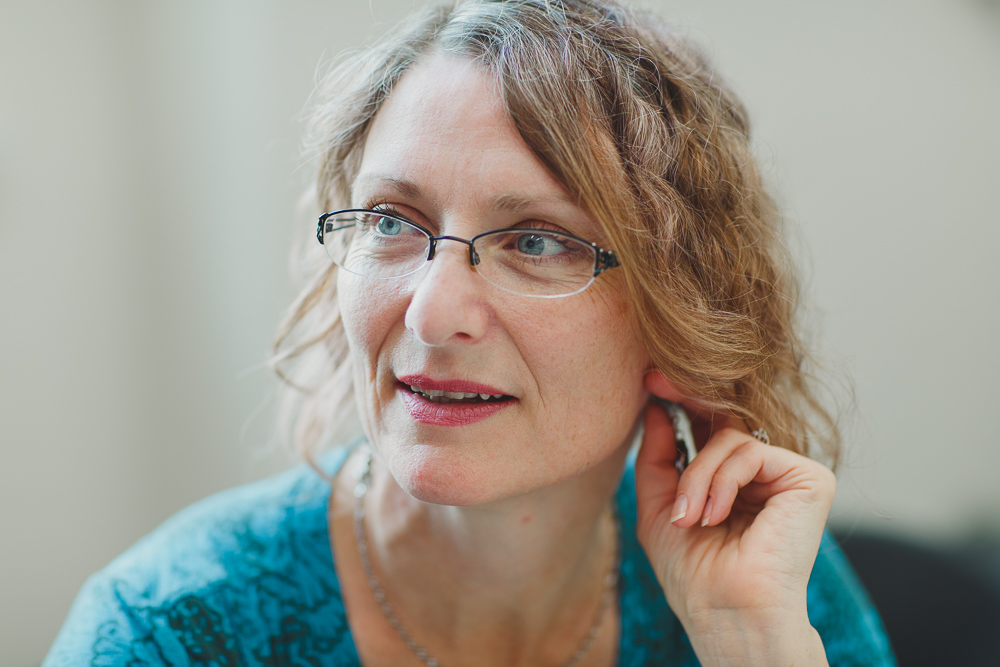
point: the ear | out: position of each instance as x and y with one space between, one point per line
702 417
659 385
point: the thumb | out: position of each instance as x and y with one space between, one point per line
655 474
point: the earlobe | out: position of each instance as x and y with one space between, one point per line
660 385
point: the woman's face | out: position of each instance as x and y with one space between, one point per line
443 152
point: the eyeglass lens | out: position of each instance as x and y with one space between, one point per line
530 262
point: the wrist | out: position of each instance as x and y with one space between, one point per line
729 637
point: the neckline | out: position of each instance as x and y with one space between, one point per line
638 637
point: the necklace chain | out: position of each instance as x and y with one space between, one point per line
364 481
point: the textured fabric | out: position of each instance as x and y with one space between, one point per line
246 577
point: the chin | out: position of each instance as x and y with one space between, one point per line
445 476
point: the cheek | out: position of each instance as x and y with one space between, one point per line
589 362
599 338
362 309
371 312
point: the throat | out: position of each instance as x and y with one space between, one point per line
451 582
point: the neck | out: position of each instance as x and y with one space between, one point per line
528 564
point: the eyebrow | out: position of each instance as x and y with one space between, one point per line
405 187
513 204
504 202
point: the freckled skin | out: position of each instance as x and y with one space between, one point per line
575 365
534 479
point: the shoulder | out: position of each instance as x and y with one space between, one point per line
234 578
842 612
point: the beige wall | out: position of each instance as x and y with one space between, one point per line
148 174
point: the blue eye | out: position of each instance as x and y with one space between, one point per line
538 244
388 226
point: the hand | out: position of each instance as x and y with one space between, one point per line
733 539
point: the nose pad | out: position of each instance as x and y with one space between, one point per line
439 255
428 266
432 249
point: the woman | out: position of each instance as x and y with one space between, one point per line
543 218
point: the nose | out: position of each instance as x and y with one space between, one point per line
447 305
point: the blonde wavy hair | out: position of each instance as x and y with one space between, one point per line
636 124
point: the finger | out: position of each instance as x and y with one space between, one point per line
655 474
794 492
738 470
658 444
696 481
806 487
787 475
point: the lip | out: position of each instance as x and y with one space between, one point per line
449 385
448 414
426 411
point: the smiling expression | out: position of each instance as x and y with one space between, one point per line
540 390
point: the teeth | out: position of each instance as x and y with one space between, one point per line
454 395
433 393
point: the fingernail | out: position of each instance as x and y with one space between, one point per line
680 508
707 514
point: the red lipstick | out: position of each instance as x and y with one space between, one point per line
448 385
426 411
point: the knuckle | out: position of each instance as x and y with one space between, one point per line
694 478
719 487
828 477
726 478
731 433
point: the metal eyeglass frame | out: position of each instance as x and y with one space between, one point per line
603 259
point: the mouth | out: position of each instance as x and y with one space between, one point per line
441 396
450 402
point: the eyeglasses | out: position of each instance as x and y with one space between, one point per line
523 260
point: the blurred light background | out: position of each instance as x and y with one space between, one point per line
149 172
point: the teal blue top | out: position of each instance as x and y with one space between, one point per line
247 577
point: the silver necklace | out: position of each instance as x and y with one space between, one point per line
364 481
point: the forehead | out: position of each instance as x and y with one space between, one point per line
442 101
444 134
